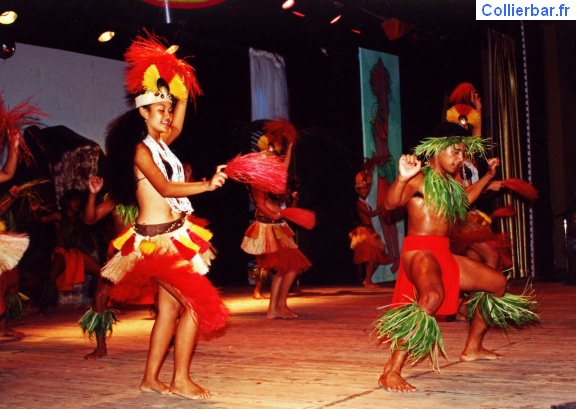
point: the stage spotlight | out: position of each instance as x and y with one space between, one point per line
106 36
298 14
335 19
8 17
287 4
8 48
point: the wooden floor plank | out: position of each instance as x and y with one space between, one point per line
327 358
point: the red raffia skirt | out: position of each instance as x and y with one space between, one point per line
405 292
179 257
274 247
368 246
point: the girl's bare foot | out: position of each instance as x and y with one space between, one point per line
258 296
154 385
482 354
284 313
189 389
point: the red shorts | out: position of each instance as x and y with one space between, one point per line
404 290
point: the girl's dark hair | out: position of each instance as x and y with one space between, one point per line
122 136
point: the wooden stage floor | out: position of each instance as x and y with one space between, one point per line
324 359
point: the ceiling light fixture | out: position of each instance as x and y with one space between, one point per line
8 17
287 4
355 31
106 36
296 13
335 19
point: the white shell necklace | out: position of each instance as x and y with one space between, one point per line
162 155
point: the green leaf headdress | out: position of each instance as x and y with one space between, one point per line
432 146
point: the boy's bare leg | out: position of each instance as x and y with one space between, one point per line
391 379
257 295
7 331
424 272
101 299
473 350
476 276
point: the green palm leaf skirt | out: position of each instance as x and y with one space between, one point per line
508 310
99 323
408 328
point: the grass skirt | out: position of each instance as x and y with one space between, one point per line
12 248
179 258
368 246
274 247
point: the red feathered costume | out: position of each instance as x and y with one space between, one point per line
179 255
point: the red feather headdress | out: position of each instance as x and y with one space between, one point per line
461 93
149 60
13 120
279 129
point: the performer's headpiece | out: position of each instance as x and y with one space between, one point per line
154 73
276 131
449 134
363 179
463 115
15 119
462 92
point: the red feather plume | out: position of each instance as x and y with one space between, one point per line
461 93
302 217
506 211
281 128
144 52
524 189
265 172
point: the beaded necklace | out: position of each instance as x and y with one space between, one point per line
162 155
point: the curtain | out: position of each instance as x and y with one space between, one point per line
268 82
509 143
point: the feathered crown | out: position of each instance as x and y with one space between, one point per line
461 93
156 75
463 115
13 120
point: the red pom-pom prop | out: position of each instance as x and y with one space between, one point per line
265 172
522 188
302 217
12 121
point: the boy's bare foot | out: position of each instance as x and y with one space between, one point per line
154 385
482 354
369 285
393 382
189 389
98 353
11 333
258 296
